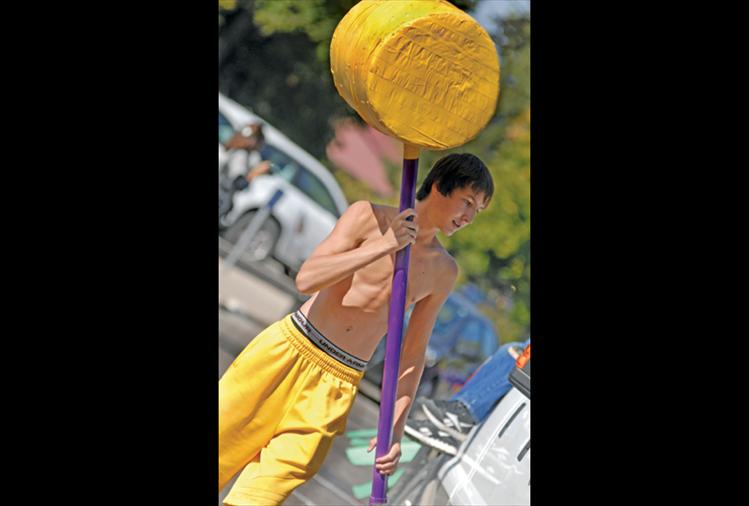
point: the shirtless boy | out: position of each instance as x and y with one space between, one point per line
289 392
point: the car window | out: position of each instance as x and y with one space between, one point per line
315 189
470 341
283 165
225 130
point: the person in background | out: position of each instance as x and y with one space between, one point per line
243 164
243 153
448 422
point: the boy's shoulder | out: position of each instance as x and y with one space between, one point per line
442 269
442 262
366 207
449 265
362 218
368 211
382 210
359 211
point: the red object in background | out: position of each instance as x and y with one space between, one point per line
361 151
524 358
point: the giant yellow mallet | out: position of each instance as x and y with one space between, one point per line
426 73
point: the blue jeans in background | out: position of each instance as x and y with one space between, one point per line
490 382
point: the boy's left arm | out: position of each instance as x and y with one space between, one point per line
416 337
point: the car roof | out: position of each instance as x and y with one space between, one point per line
240 116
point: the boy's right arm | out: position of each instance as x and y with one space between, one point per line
340 254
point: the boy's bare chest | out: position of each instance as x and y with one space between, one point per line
371 285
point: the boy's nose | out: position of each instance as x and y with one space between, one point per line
467 217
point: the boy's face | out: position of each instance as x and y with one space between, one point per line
458 209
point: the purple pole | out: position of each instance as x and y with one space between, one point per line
395 333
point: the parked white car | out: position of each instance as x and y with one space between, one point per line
492 466
312 200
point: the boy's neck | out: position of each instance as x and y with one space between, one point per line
427 228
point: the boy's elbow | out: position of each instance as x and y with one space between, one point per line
300 283
303 284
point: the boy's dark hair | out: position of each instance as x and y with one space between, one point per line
458 170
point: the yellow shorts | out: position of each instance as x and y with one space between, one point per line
281 402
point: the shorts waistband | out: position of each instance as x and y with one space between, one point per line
322 342
314 346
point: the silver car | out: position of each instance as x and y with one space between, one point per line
312 200
492 466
